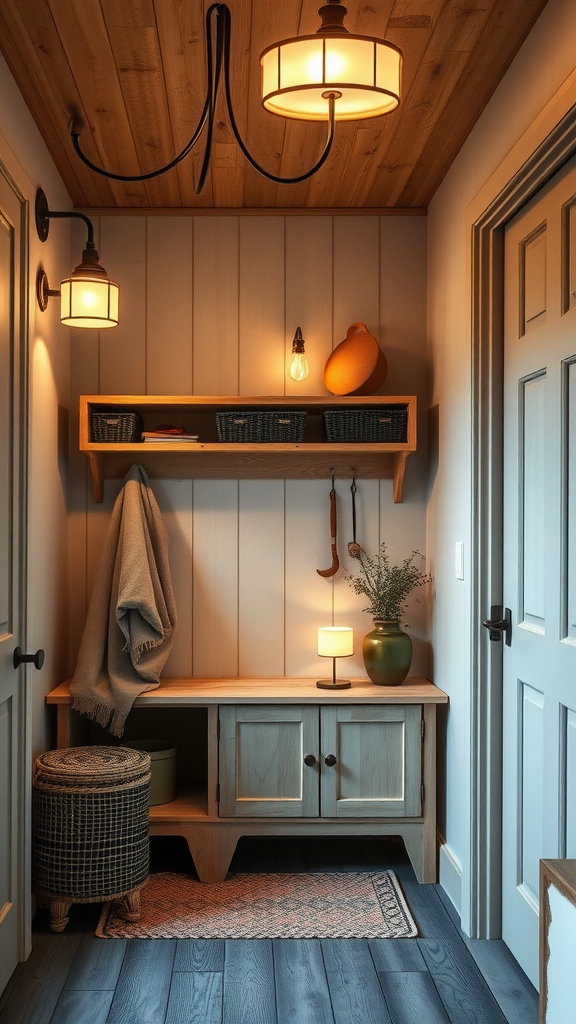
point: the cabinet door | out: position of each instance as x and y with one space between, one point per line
262 769
378 753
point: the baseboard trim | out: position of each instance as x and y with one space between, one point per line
450 876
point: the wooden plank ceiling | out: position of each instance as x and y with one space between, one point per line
134 71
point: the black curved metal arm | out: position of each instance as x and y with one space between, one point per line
43 215
150 174
267 174
79 216
75 135
213 71
215 66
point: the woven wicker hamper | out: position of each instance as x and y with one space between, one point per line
90 828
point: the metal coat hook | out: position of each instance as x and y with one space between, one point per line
354 548
335 561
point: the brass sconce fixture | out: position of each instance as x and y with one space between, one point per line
88 298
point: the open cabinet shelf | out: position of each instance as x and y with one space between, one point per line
312 458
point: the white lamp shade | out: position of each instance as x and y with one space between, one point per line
362 71
89 302
335 641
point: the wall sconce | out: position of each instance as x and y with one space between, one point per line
299 366
88 298
335 642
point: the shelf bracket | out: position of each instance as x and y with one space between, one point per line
399 467
96 460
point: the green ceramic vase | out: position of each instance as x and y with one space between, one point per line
387 652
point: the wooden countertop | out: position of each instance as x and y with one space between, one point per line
278 690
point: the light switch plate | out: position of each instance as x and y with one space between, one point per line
459 560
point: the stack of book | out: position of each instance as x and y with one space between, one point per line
168 433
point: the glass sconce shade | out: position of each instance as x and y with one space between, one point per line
89 302
299 74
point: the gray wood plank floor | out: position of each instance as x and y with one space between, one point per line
441 977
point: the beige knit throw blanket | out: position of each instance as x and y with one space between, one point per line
132 614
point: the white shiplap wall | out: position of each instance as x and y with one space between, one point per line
209 305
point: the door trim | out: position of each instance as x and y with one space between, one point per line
487 307
24 781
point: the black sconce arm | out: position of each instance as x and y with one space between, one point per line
43 214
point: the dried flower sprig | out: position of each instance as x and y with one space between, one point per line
387 586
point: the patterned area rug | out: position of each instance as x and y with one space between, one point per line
338 905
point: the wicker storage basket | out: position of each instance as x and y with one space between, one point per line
386 425
163 768
115 427
91 822
256 427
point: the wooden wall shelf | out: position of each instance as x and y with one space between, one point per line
312 458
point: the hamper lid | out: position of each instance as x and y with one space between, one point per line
92 765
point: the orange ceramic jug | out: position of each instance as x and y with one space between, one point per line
357 366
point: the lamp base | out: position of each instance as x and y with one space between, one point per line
331 684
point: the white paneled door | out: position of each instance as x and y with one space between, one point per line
539 776
13 757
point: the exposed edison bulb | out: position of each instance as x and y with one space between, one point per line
299 369
299 365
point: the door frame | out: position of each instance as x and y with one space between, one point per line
20 470
487 325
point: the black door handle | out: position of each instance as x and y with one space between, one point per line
330 760
499 622
34 659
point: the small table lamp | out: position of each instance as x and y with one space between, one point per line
335 642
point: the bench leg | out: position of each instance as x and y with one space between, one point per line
212 850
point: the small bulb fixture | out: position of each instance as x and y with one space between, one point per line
335 642
88 298
299 365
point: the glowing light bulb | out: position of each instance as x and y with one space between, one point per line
299 369
299 366
88 299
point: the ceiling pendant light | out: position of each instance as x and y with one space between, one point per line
362 73
331 76
88 298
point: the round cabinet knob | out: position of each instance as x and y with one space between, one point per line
18 658
330 760
310 760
